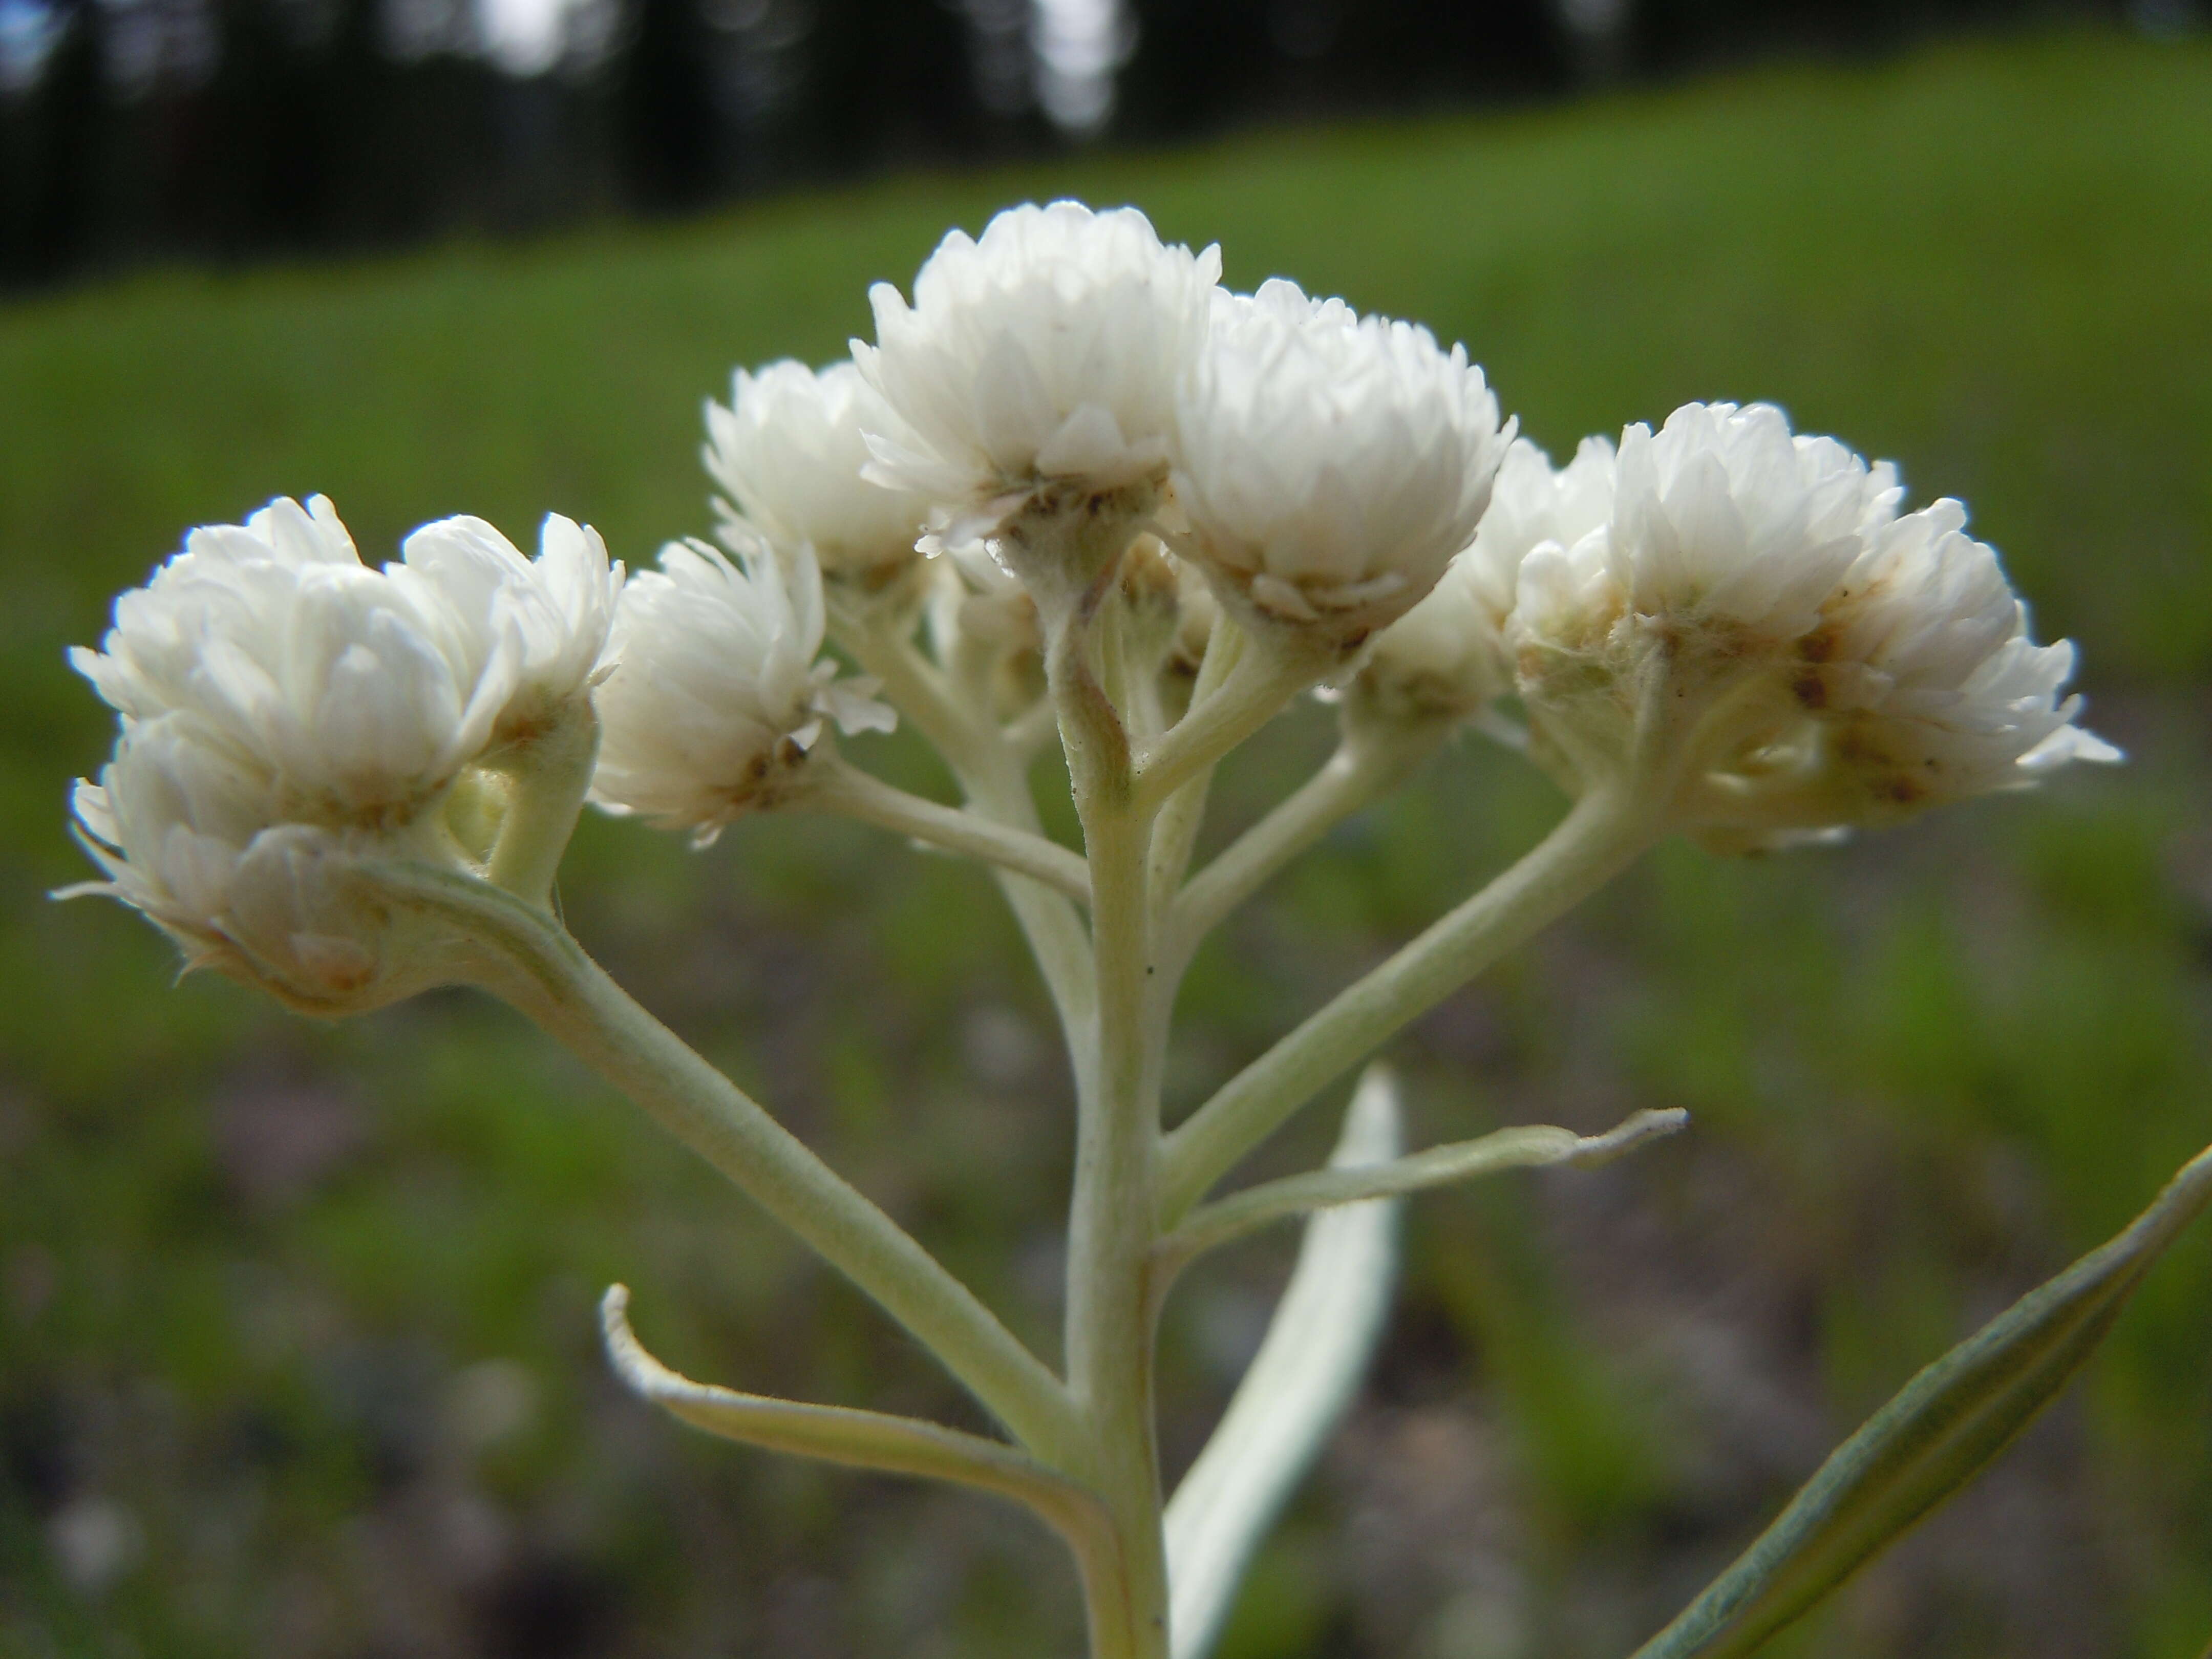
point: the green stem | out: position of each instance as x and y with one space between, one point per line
914 686
992 776
1174 831
548 778
1111 1223
1602 835
553 982
1113 1214
1264 678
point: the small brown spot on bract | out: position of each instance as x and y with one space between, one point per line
1811 690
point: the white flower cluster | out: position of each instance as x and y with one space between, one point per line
285 708
1743 610
1754 603
1321 468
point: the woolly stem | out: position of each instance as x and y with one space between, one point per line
1605 832
1359 771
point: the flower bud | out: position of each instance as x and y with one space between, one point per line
1442 660
535 629
181 829
1150 582
716 697
1331 465
791 450
1196 612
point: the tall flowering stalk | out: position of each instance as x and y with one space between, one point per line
1075 489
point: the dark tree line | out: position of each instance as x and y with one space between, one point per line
225 129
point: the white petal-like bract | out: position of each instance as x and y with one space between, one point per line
1331 465
1532 506
535 627
1049 349
718 689
1924 681
791 448
186 834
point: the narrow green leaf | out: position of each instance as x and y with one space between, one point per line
863 1440
1935 1436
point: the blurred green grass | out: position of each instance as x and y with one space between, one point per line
259 1280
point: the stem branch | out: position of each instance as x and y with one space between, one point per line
1261 680
1605 831
1359 772
841 787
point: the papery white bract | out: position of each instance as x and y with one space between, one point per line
791 448
1331 465
1723 524
1726 518
1049 349
1920 685
716 695
1532 505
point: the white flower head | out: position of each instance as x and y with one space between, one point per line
360 693
1534 505
536 626
1723 535
1049 349
288 712
1722 528
719 690
791 449
1331 465
1724 517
